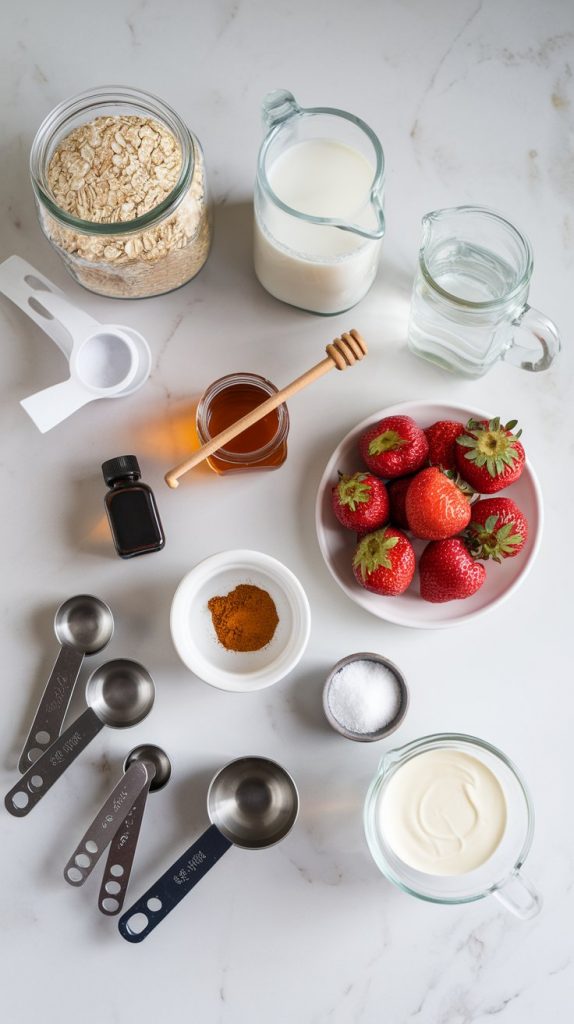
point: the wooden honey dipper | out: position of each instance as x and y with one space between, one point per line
345 351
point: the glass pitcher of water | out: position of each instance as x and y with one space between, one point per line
469 303
447 812
318 205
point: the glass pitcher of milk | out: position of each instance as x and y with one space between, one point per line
449 819
318 205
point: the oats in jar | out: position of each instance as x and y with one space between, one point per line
114 170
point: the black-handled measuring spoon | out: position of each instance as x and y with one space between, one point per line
253 803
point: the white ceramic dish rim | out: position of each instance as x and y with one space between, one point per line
260 678
413 408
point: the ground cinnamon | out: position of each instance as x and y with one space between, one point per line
245 619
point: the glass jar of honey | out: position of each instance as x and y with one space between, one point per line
262 446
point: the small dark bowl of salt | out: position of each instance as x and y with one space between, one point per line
365 697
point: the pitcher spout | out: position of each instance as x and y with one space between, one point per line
278 106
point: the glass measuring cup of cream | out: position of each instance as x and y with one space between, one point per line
449 819
318 205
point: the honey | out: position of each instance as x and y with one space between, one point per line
262 446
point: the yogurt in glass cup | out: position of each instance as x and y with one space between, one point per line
500 874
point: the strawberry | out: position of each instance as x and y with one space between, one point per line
488 456
384 562
394 446
498 529
360 502
441 437
436 507
448 572
397 491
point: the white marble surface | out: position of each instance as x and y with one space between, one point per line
473 103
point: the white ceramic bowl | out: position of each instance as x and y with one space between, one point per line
194 636
337 544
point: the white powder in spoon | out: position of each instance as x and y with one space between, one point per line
364 696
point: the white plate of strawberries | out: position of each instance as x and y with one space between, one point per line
428 514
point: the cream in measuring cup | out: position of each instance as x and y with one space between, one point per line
443 812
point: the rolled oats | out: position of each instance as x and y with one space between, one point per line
111 170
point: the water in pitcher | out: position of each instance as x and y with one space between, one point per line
451 329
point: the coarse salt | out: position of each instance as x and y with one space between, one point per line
364 696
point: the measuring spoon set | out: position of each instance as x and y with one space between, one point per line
252 802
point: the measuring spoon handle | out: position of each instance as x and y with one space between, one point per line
53 705
160 899
42 775
120 859
25 287
109 817
50 406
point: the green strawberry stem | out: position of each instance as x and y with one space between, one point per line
485 541
373 553
492 446
353 490
388 441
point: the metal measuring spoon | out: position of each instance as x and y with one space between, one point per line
146 768
253 803
84 625
120 693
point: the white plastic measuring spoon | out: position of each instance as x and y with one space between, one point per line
106 360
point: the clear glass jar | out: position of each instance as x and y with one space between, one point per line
154 252
263 446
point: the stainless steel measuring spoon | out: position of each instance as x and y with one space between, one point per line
146 768
253 803
119 694
84 625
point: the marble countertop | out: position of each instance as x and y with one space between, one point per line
473 102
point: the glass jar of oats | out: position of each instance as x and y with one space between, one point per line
121 192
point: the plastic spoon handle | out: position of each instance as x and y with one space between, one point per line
101 831
155 904
120 859
76 321
17 283
54 703
52 405
36 782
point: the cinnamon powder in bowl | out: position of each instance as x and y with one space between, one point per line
240 620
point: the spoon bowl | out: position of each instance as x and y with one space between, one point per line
121 693
155 757
253 802
84 622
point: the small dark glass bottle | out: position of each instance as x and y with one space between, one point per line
131 508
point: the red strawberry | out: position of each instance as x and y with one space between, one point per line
394 446
397 490
436 508
489 456
441 437
448 572
498 529
384 562
360 502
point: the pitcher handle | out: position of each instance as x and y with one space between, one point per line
278 106
519 896
540 329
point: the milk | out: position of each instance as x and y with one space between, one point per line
320 268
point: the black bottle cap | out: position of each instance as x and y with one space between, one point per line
123 465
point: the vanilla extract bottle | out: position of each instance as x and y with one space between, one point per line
131 509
